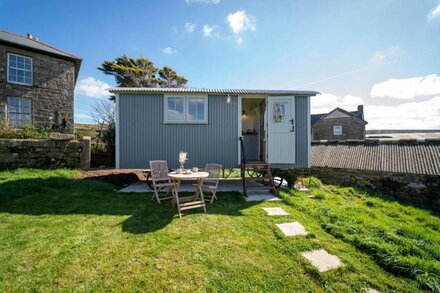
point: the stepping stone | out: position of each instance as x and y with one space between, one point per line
371 290
292 229
322 260
276 212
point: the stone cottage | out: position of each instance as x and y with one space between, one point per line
339 124
37 82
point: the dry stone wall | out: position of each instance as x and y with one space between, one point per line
45 154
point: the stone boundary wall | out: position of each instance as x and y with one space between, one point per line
414 188
44 153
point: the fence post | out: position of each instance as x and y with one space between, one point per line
86 152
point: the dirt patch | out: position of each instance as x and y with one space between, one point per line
117 177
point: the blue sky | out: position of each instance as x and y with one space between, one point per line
384 53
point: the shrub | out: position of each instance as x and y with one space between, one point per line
313 182
28 131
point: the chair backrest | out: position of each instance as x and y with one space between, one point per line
159 170
214 170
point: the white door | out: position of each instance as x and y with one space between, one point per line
280 117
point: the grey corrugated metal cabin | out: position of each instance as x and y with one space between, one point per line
158 123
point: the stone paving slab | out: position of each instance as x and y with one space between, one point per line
232 185
276 212
292 229
322 260
260 197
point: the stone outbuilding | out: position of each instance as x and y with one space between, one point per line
339 124
37 82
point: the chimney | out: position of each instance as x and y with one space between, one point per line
31 37
361 111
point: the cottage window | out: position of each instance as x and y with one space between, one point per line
19 69
337 130
19 111
186 109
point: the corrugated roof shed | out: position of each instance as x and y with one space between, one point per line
214 91
418 157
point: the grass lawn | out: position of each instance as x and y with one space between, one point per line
63 234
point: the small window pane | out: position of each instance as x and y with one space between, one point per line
196 109
337 130
20 69
19 111
175 109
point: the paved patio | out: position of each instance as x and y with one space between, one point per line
225 185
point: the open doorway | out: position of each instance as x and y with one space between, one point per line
253 130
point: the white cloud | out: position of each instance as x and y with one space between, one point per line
92 87
210 31
80 116
190 27
203 1
169 50
413 115
378 57
240 22
326 102
407 88
434 12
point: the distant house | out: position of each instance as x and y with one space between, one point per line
339 124
37 82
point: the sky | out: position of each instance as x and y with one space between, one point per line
384 54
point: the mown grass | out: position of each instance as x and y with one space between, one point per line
63 234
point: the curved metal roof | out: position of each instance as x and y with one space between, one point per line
214 91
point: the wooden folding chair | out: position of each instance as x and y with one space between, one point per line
210 184
162 184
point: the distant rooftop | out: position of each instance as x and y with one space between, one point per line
359 114
402 156
215 91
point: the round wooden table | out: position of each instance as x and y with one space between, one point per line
189 202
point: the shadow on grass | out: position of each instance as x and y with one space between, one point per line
64 196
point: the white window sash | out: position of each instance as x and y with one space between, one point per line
20 116
20 69
186 117
337 130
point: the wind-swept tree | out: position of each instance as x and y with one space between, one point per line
141 72
169 78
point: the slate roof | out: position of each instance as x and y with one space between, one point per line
358 114
215 91
418 157
36 45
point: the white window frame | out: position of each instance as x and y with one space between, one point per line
30 110
31 70
186 119
337 130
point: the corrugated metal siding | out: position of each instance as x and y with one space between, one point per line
143 136
302 143
399 157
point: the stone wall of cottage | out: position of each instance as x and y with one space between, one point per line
351 129
406 187
52 89
44 153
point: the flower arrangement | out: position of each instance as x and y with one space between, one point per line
183 157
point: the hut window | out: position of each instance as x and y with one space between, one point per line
187 109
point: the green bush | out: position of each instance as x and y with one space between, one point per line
28 131
313 182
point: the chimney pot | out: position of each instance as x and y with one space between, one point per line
30 36
361 110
